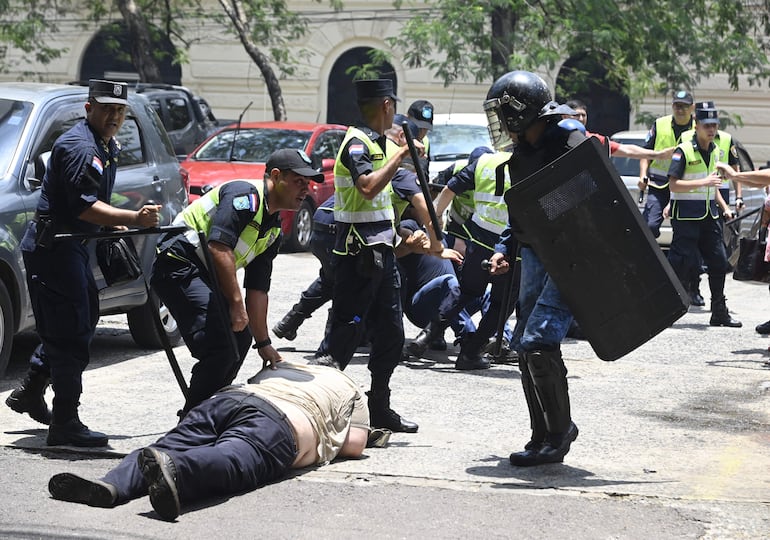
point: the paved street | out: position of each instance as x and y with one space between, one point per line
674 443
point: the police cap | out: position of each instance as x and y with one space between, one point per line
705 105
707 116
374 88
683 96
108 91
421 113
293 159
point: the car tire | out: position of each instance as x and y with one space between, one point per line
302 228
141 323
6 328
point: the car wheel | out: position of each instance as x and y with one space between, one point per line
141 323
302 228
6 328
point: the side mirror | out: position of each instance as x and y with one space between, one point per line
33 177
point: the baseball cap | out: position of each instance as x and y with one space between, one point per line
373 88
707 116
293 159
421 113
683 96
399 119
103 91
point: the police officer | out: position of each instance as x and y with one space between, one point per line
653 176
241 222
519 108
366 283
75 198
695 213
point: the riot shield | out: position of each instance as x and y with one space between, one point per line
589 234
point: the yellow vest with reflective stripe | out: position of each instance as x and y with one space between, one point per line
724 141
349 205
697 203
462 203
252 240
490 211
664 138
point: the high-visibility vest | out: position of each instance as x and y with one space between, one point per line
462 203
252 241
490 211
664 138
724 142
697 203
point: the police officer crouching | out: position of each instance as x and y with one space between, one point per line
695 212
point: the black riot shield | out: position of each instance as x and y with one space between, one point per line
581 221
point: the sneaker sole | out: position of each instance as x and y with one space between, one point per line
164 497
72 488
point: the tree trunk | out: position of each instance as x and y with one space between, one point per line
503 25
234 10
141 42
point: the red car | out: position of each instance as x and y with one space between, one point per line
241 152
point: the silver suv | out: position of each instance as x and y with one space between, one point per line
32 116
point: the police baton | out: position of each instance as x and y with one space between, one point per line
159 329
423 181
504 305
743 216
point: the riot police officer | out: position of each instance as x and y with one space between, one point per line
366 282
695 213
241 231
75 198
520 109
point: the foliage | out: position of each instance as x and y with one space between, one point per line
642 46
21 24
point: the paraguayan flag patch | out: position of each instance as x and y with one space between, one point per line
96 163
245 202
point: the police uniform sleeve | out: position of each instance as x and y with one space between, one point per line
732 158
649 142
464 180
676 169
356 158
82 169
405 184
238 203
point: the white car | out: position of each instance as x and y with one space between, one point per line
629 173
453 137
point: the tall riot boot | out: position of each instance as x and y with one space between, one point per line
382 416
432 332
550 380
287 327
29 397
529 456
470 357
67 429
720 316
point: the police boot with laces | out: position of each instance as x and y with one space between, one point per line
720 315
160 475
382 416
29 398
287 327
67 429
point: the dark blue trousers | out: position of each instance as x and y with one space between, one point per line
231 443
699 240
656 201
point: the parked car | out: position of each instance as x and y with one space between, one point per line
187 118
454 136
241 152
32 116
629 172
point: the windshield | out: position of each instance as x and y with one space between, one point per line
252 145
13 118
457 141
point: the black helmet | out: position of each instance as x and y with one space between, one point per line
515 100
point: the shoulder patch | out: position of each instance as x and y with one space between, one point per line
356 149
96 163
245 202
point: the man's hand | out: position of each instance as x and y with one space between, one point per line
239 318
148 215
270 357
725 170
418 242
451 254
498 264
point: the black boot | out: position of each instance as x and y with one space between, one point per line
67 429
287 327
720 316
529 456
29 398
382 416
470 357
550 380
427 335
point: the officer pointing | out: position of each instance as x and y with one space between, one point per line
75 196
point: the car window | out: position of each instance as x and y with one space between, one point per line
327 145
131 143
624 165
456 141
251 145
157 126
13 118
178 114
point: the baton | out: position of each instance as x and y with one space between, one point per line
504 304
121 233
423 181
742 216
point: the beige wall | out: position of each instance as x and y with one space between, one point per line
220 70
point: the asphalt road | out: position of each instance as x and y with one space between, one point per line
674 443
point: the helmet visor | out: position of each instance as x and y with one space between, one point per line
498 133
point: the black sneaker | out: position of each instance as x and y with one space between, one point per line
763 328
159 474
74 433
324 360
72 488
